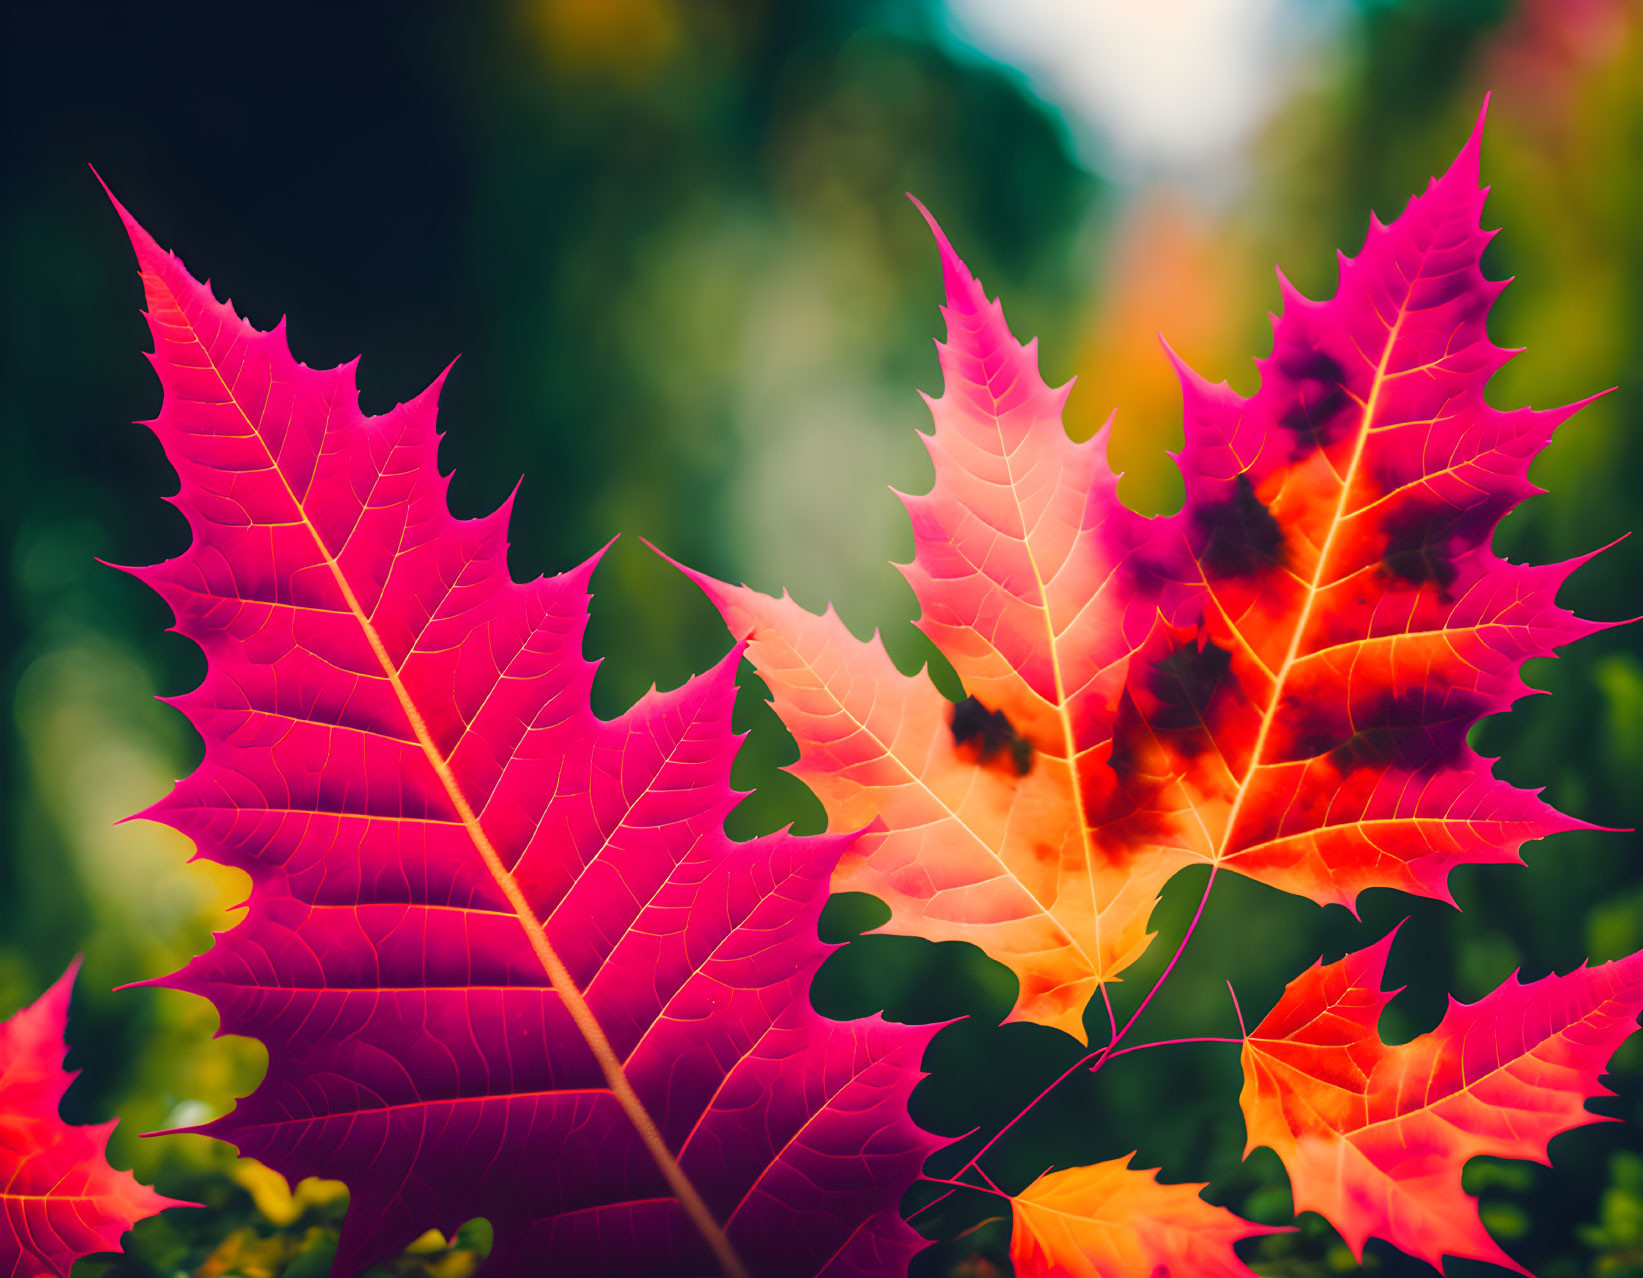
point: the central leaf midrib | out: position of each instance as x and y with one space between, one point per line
1069 742
1366 420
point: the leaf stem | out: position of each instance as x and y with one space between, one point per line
1163 976
964 1184
1242 1028
936 1202
1101 1055
1169 1042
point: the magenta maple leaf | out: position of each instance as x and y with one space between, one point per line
505 961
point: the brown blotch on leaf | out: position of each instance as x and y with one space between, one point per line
1183 685
992 735
1318 412
1238 536
1424 542
1421 730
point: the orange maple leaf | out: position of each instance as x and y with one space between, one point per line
1116 1221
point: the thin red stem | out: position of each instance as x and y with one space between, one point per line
934 1202
964 1184
1242 1028
1060 1078
1169 1042
1112 1016
1165 974
991 1187
1100 1055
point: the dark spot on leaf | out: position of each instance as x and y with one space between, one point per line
1420 729
1238 536
1424 542
992 734
1417 553
1301 363
1143 573
1318 413
1184 683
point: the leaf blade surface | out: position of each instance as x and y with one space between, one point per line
1334 552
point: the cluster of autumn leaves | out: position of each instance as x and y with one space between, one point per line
1276 681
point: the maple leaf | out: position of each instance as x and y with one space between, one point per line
1112 1220
1278 679
1340 619
502 955
1374 1137
59 1198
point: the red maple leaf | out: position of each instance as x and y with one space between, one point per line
1374 1137
59 1198
1277 680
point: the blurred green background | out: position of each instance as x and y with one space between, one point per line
668 239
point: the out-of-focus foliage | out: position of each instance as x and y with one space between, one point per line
669 238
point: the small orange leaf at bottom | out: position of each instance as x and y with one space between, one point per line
1114 1221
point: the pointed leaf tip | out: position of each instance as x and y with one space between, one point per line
709 586
54 1002
1185 373
963 289
142 242
1467 167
